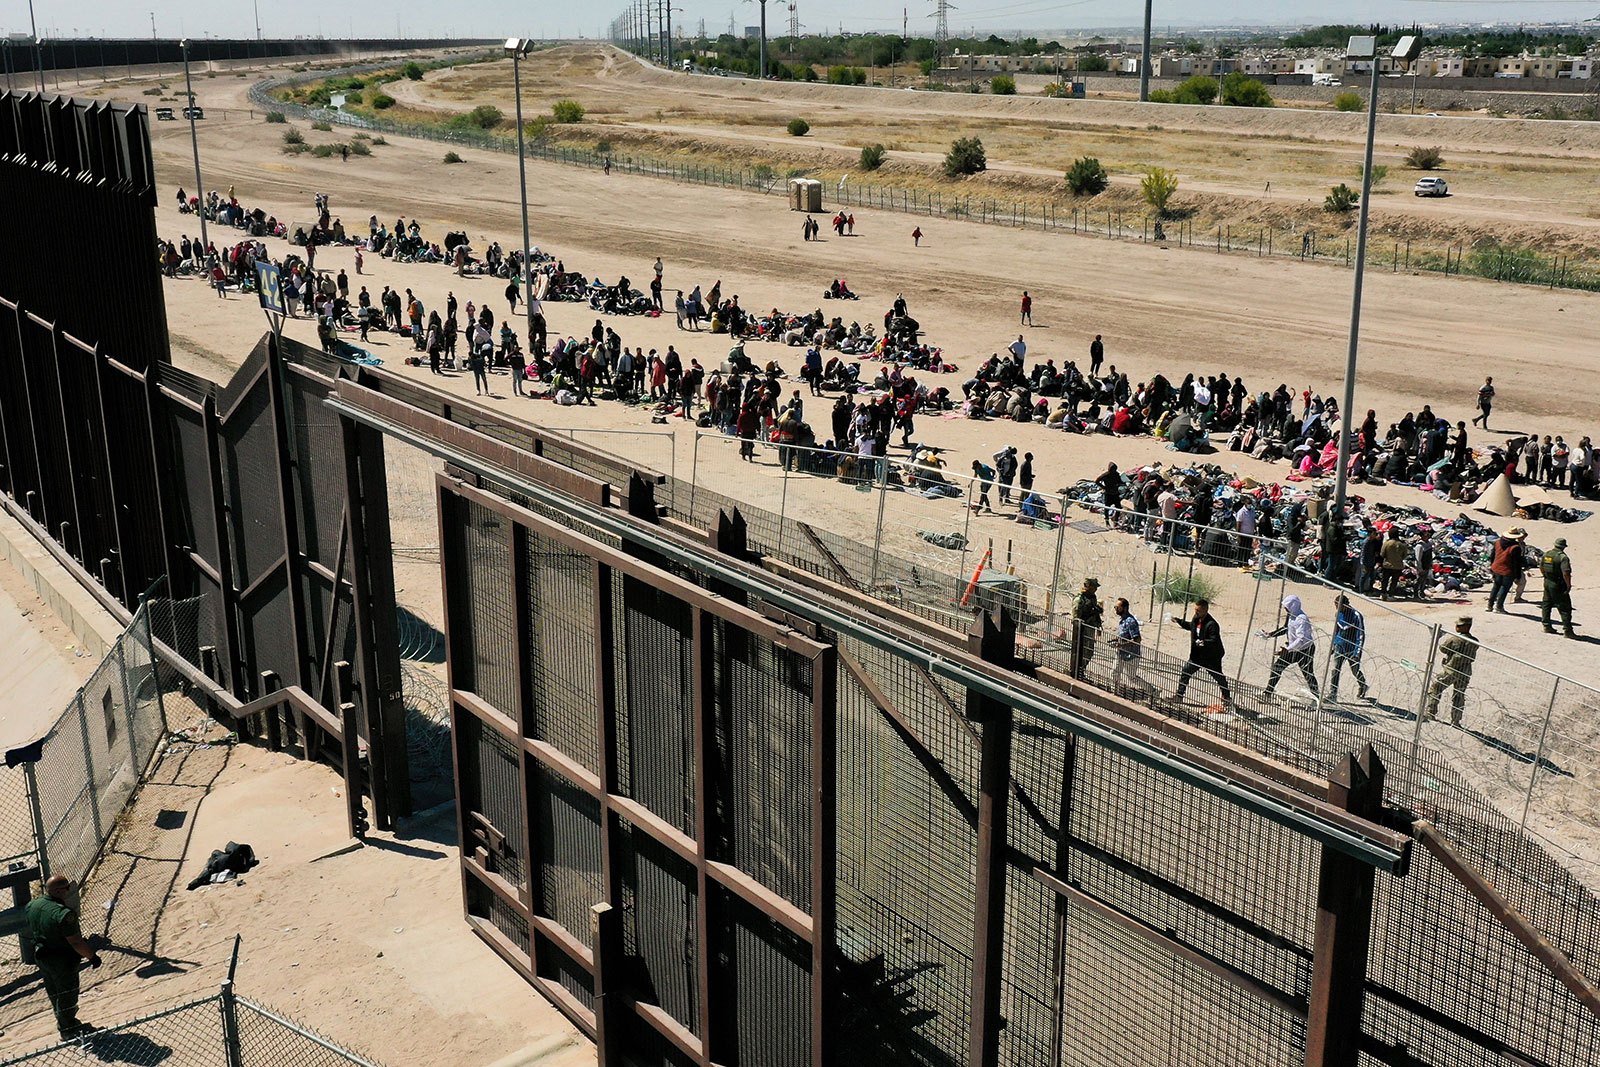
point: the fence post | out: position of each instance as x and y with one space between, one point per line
230 1013
36 814
694 473
1255 599
877 537
783 499
1055 570
88 770
1344 924
605 923
994 641
1422 696
1538 755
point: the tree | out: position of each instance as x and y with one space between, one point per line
1422 158
1157 186
1341 198
1196 90
567 111
383 101
965 157
1241 90
799 127
1086 177
1348 101
872 156
483 117
1092 61
412 71
1003 85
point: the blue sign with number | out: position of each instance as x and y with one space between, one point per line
269 287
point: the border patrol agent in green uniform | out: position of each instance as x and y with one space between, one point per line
1456 656
1557 571
58 944
1087 614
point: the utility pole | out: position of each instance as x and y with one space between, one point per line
258 20
38 54
1144 56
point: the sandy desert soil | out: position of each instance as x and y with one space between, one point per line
1516 180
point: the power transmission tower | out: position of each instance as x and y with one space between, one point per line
702 30
941 25
794 26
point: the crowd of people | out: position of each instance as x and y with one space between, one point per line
756 400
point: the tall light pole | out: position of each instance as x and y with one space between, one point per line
258 19
1365 47
194 141
1144 56
38 54
518 47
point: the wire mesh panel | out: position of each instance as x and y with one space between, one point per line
657 630
492 790
269 1039
567 852
560 648
660 927
477 547
763 986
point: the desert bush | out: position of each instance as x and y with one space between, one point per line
1196 90
567 111
452 156
1003 85
1340 199
482 117
382 101
152 92
1241 90
276 116
602 148
872 156
1157 187
325 127
1421 158
359 148
413 71
965 157
323 151
379 140
1348 101
842 75
293 136
762 172
1380 172
536 129
1086 177
1162 96
1093 62
296 148
1185 589
798 127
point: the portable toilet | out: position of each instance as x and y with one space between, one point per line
805 194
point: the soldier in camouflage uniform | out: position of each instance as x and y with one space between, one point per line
1087 614
1456 655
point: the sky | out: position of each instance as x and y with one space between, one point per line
546 18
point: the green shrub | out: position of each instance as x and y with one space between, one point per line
1086 177
1348 101
965 157
798 127
276 116
452 156
927 66
1196 90
152 92
383 101
567 111
296 148
1157 187
412 71
293 136
1093 62
1185 589
323 151
602 148
536 129
482 117
1162 96
872 156
359 148
762 172
841 75
352 98
379 140
1380 172
1003 85
1241 90
325 127
1422 158
1340 199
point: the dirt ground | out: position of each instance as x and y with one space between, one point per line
1518 180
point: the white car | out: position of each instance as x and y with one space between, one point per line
1431 187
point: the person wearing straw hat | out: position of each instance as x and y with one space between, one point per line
1505 564
1456 655
1087 615
1557 571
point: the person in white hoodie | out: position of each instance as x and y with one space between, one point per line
1299 647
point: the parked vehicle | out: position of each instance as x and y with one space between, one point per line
1431 187
164 114
195 112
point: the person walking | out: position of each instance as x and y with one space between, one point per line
985 476
1557 571
1349 640
1025 474
1130 650
1393 559
916 237
1205 651
1456 655
1097 355
1299 647
1087 616
1005 465
51 925
1027 309
1485 402
1422 561
1505 565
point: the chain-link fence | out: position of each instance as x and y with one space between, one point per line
1483 258
222 1029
